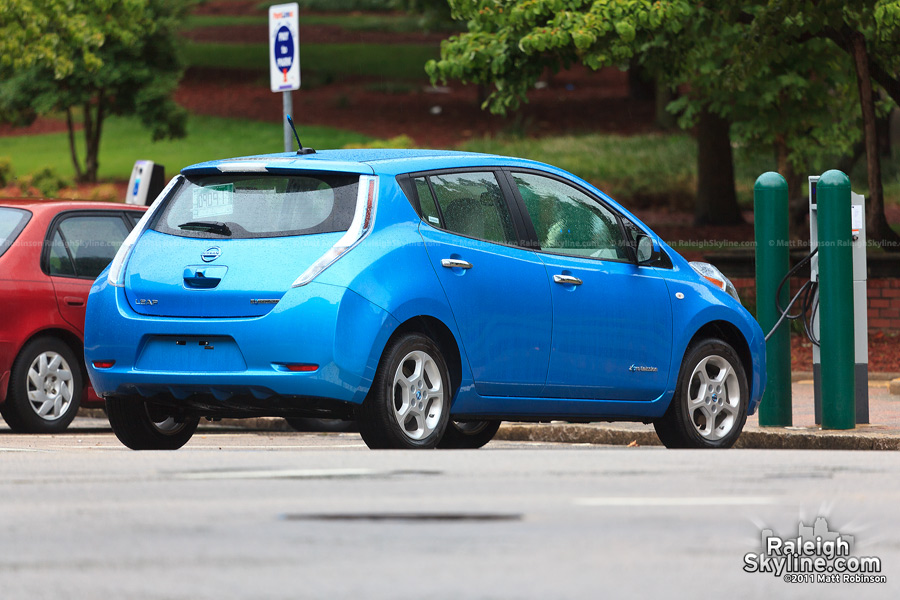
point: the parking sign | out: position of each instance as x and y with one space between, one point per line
284 47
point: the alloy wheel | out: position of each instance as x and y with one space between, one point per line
49 386
714 397
418 395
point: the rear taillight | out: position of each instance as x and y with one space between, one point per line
360 227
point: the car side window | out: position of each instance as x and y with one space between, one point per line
568 221
472 204
426 202
92 242
133 217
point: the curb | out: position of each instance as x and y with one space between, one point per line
894 387
753 438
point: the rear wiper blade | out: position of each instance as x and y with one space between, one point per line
211 227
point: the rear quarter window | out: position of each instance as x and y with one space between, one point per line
12 222
260 206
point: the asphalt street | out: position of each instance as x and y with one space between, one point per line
286 515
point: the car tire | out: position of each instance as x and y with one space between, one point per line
468 435
321 425
45 387
143 426
709 408
408 405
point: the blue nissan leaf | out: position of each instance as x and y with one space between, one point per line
427 295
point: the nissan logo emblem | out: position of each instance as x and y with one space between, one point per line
211 254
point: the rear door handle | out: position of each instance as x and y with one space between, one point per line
455 263
567 280
74 301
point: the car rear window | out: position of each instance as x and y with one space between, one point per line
12 222
260 206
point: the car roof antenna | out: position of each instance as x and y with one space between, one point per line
301 149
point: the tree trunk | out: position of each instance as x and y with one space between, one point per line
641 86
664 95
72 149
93 125
90 157
798 202
877 227
716 198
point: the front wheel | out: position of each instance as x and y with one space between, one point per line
143 426
468 435
709 408
409 403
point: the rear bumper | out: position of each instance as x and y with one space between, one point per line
318 324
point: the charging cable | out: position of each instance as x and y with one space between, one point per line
808 298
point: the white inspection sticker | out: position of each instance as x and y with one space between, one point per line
213 201
856 217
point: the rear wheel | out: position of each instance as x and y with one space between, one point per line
409 403
710 404
143 426
45 388
468 435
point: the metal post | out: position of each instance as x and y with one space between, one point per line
770 217
836 301
288 109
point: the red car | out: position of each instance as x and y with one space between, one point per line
50 254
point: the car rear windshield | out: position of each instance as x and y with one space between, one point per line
260 206
12 222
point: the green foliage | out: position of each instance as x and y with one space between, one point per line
6 171
105 56
46 181
207 138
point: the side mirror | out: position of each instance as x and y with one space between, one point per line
646 249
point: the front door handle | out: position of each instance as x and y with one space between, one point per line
567 280
455 263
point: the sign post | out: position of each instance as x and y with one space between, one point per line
284 58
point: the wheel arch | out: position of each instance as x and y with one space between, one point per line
65 336
729 333
435 329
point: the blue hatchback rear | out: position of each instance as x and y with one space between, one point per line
427 295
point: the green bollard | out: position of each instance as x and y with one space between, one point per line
836 343
770 218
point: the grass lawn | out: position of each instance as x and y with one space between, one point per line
642 168
652 167
394 61
125 141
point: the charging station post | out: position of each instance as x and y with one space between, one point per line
770 217
835 266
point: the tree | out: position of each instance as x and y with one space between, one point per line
100 56
746 77
868 33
